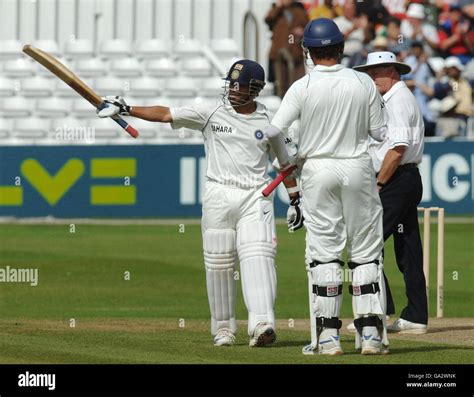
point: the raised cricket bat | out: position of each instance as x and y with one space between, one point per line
274 184
73 81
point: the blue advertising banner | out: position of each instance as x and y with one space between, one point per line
167 180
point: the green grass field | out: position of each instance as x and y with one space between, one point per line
160 315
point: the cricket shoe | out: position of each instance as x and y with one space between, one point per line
402 326
372 342
263 335
329 344
224 337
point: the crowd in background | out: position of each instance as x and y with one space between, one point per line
434 37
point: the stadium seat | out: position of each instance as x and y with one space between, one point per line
188 48
152 48
225 48
21 67
163 67
79 49
49 46
31 128
105 129
116 48
53 107
8 87
146 87
181 87
16 106
82 108
11 49
5 128
92 67
163 101
110 86
36 87
70 131
200 101
126 67
212 87
196 67
147 129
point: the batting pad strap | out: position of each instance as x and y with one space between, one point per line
371 321
357 290
316 263
353 265
325 322
328 291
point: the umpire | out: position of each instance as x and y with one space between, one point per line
396 161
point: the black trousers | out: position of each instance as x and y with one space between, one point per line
400 198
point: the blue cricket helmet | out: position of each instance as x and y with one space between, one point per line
321 32
246 72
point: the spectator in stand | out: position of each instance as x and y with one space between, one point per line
459 88
394 36
467 7
453 35
354 28
414 28
396 8
324 10
421 82
380 43
287 20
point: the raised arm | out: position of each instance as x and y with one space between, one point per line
117 105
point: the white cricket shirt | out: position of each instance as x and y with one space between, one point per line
337 108
237 150
405 127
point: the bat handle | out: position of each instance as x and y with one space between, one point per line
121 122
127 127
274 184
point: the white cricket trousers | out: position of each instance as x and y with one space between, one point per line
341 206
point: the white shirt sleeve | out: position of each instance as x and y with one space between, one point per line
290 107
400 132
193 117
430 32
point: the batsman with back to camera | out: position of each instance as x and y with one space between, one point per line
237 218
338 109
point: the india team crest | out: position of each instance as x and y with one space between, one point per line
235 75
259 134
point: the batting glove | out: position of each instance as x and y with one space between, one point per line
114 105
294 216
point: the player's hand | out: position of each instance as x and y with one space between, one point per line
115 105
294 216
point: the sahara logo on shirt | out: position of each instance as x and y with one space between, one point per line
225 129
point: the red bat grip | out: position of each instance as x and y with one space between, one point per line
273 185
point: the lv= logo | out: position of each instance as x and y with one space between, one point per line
53 187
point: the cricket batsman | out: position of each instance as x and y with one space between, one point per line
237 220
338 109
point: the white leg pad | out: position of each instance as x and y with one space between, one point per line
371 304
256 251
324 275
219 259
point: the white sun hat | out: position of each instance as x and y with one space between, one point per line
454 62
383 58
416 11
